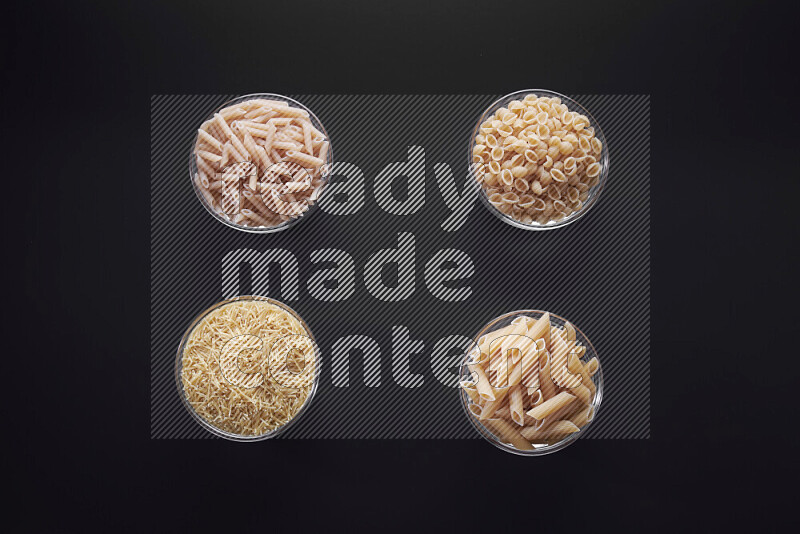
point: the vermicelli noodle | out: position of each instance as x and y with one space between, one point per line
248 367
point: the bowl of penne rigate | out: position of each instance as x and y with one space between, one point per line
531 382
260 163
540 159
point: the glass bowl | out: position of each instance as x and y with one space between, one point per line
286 224
205 423
539 449
594 192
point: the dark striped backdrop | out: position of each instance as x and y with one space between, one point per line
595 272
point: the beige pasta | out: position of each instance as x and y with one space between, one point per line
551 405
265 133
508 433
582 417
515 404
592 366
548 434
531 143
472 392
248 367
529 374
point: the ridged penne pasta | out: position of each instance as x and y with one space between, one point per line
489 408
262 134
582 393
559 372
303 158
515 404
506 432
545 381
582 417
482 385
204 137
505 413
554 432
471 391
551 405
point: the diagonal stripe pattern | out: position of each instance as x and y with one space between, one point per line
596 272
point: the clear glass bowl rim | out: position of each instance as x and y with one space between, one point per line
286 224
488 435
605 160
203 422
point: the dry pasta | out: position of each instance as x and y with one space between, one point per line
538 161
248 367
529 385
240 148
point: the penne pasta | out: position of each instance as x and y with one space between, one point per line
505 413
485 390
551 405
237 149
592 366
251 147
515 404
545 381
256 218
232 113
290 111
582 417
569 330
529 368
209 156
307 138
583 394
559 372
470 390
205 167
323 151
489 408
226 129
505 431
205 192
529 374
204 137
303 158
555 432
575 366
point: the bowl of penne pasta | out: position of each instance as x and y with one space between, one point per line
260 162
531 382
540 159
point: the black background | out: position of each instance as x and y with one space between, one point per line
78 79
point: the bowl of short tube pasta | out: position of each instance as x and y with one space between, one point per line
260 162
531 382
540 159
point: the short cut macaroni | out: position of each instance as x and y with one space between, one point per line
536 160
